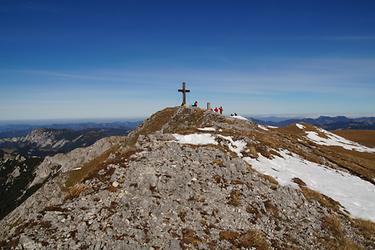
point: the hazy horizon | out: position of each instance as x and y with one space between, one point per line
131 119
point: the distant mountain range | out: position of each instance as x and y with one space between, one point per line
326 122
17 130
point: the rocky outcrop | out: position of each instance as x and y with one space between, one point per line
71 160
27 162
149 190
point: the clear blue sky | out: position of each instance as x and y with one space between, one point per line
100 59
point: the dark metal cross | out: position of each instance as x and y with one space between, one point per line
184 90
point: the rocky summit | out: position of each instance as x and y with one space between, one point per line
193 179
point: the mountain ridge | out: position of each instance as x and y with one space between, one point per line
326 122
188 178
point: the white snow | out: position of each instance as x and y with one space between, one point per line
240 117
196 139
76 139
269 126
207 129
59 144
206 139
335 140
354 194
263 127
300 126
234 146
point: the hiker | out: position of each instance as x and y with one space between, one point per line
221 110
216 110
235 114
195 104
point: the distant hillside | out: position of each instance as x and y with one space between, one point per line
326 122
17 130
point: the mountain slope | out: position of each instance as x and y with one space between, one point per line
326 122
365 137
20 159
189 178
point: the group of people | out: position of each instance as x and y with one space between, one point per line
216 109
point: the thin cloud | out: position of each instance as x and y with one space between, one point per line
320 75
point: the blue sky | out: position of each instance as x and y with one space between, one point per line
118 59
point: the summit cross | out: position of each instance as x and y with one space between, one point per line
184 90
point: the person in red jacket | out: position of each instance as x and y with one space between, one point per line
221 110
216 110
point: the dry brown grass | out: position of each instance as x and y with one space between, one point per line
187 121
228 235
234 198
299 182
291 129
270 179
76 176
254 211
332 225
358 163
218 162
91 168
336 238
250 239
364 137
189 237
366 229
325 201
271 209
75 191
153 124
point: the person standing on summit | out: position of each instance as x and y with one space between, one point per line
221 110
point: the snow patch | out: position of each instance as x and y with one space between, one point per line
335 140
196 139
263 127
59 144
240 117
76 139
354 194
207 129
269 126
234 146
300 126
206 139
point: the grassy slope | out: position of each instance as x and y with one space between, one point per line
365 137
